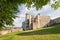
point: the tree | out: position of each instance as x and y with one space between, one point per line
9 9
56 4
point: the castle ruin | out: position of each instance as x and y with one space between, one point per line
38 21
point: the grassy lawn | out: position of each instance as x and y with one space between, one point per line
50 33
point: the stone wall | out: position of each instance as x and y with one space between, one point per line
54 21
35 26
41 21
57 20
3 32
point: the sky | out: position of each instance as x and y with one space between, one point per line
46 10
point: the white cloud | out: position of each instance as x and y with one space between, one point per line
55 14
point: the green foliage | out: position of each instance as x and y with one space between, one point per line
56 5
9 8
8 11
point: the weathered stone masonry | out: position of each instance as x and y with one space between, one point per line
32 22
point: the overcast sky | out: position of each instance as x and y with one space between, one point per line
45 11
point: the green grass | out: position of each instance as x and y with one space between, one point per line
50 33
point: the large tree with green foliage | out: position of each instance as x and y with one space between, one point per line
9 8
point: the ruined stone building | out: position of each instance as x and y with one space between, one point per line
55 21
32 22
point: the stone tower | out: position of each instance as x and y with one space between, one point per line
29 18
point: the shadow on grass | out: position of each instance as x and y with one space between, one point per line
54 30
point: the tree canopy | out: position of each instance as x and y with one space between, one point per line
9 8
56 5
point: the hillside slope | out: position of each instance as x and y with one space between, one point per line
50 33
